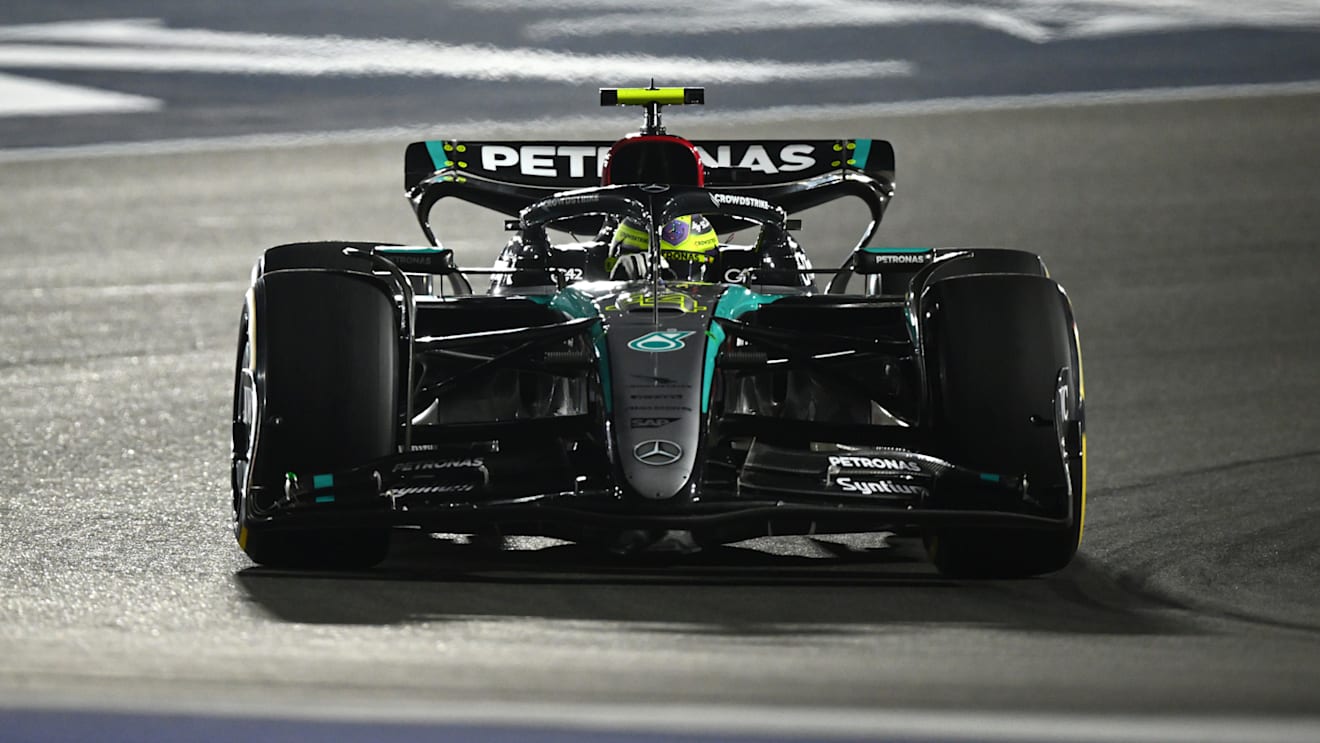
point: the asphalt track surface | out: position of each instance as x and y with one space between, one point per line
1185 233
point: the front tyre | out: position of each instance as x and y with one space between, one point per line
316 390
1004 373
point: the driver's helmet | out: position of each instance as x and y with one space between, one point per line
688 245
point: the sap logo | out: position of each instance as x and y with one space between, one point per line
873 463
545 160
651 422
790 158
868 487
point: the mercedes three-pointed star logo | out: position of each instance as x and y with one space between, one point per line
657 452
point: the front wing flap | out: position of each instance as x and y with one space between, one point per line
887 475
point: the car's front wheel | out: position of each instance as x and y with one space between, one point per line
316 390
1004 376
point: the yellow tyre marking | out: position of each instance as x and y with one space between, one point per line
1082 526
1081 400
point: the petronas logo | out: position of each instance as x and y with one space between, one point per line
660 341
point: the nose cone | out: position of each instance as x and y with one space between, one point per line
657 366
657 407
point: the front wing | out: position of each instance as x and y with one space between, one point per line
777 492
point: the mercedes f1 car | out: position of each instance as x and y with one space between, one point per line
625 398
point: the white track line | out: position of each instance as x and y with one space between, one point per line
580 125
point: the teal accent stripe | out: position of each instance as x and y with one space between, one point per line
990 478
325 499
714 339
576 304
862 153
323 481
735 301
436 149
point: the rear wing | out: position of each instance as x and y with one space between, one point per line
507 176
561 166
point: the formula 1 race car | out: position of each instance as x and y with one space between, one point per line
632 392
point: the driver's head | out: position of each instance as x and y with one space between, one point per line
687 244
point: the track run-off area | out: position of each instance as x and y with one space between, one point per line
1184 228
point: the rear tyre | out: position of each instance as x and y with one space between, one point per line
316 390
1001 357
